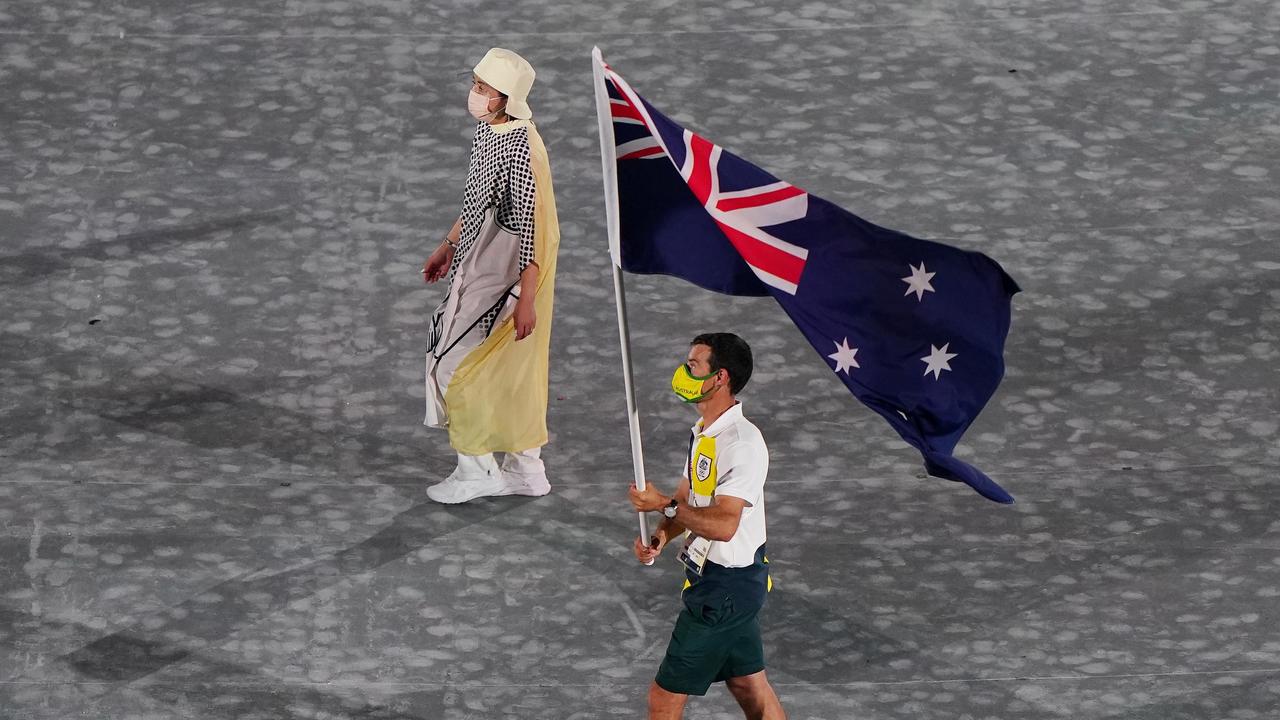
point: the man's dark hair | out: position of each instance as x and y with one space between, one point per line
728 352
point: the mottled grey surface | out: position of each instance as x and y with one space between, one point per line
212 215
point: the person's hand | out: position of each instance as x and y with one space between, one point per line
647 553
437 266
649 499
525 317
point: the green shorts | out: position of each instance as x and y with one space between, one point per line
717 635
713 648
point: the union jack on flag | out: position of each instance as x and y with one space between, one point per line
926 357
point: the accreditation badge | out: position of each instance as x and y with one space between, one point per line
694 554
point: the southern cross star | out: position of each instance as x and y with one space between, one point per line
844 356
918 281
937 360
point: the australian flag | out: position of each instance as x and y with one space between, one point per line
914 329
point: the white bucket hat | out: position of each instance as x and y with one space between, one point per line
511 75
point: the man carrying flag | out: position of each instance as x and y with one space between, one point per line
720 502
913 328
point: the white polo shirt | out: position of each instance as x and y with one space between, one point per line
730 458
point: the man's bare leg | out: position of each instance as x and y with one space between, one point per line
665 705
756 697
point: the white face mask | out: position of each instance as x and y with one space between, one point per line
478 106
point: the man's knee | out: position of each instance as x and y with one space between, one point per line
664 703
752 692
747 683
656 694
756 696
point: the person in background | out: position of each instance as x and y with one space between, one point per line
487 353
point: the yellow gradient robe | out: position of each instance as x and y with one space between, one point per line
497 397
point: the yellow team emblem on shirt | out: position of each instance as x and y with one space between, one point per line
702 467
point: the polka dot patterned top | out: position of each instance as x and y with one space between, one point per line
499 177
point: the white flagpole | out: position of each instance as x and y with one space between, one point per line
609 166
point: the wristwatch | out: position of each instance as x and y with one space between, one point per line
670 509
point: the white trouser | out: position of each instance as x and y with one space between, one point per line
525 462
476 467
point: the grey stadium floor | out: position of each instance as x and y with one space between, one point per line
212 472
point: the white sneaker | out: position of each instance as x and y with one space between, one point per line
525 474
452 477
476 476
459 490
518 483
